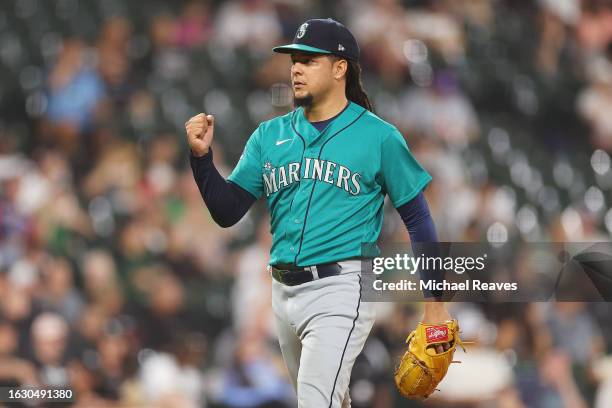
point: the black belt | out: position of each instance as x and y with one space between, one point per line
291 275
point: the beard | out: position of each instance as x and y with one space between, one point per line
304 101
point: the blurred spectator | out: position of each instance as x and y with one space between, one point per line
486 374
165 58
115 365
555 17
8 339
141 112
195 25
254 379
101 282
16 225
556 371
60 295
14 371
49 346
74 90
165 318
17 308
381 29
478 12
595 101
117 167
161 174
594 31
89 329
252 290
440 112
439 28
165 383
83 385
604 393
371 385
273 71
573 317
250 23
114 65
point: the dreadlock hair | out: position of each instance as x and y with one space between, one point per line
354 86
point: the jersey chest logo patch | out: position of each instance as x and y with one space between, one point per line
277 178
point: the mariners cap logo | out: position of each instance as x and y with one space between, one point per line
302 30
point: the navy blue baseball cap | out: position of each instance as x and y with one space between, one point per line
323 36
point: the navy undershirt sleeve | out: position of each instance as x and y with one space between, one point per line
420 225
226 201
418 221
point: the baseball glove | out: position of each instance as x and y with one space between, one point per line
421 369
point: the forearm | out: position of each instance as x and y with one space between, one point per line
417 219
226 201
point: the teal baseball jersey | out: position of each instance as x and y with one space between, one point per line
325 190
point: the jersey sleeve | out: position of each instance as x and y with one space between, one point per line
402 176
247 173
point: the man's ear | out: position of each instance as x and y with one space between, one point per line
340 67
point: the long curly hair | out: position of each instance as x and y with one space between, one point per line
354 85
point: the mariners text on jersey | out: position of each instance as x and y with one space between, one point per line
325 190
323 170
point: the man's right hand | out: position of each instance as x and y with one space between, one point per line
200 130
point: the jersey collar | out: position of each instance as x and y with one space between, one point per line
311 135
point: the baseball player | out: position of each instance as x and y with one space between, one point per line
324 170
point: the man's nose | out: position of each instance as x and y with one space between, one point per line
296 68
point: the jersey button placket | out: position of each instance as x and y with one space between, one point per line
302 196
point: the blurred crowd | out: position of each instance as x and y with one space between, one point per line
116 283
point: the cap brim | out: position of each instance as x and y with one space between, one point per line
291 48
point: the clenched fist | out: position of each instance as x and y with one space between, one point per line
200 133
